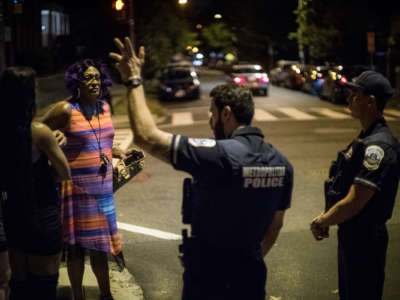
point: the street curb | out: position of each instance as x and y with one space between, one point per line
123 284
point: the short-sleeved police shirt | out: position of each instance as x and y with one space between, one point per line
213 161
238 185
379 170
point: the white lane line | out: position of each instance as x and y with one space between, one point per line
388 118
393 112
330 113
296 114
148 231
182 118
262 115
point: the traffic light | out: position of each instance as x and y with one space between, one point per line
120 11
119 5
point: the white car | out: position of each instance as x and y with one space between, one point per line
252 77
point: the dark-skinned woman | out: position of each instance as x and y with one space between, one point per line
32 168
89 219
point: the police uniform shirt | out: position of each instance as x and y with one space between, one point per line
379 170
234 171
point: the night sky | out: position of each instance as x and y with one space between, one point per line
93 23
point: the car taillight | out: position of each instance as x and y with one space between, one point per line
238 80
343 79
264 79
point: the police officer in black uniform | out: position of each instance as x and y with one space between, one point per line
238 195
361 191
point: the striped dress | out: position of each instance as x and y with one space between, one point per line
88 209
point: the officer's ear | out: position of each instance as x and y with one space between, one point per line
371 100
226 113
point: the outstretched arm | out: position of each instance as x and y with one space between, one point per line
146 133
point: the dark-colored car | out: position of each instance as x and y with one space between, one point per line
179 82
294 79
333 88
314 79
252 77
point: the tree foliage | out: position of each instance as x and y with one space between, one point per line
165 35
217 36
321 38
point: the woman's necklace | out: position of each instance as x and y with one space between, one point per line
103 158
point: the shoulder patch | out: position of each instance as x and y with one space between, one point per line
209 143
373 157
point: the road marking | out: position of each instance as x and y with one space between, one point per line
182 118
388 118
262 115
393 112
330 113
334 130
148 231
296 114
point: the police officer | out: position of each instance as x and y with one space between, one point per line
361 191
239 192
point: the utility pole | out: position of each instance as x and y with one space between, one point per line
299 41
2 38
124 14
131 23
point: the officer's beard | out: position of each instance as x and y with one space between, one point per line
219 133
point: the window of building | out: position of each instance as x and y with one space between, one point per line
54 23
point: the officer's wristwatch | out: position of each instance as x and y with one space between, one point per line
133 82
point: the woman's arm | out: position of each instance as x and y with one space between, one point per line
44 139
58 116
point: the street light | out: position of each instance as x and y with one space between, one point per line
119 5
182 2
125 13
217 16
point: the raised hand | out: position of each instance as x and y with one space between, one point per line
128 64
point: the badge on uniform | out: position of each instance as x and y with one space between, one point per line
209 143
373 157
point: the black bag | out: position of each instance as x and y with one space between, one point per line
128 168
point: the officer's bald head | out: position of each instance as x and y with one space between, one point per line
238 98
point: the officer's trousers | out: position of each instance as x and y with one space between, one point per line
233 279
361 262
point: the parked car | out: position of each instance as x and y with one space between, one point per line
179 81
314 79
333 88
279 74
251 76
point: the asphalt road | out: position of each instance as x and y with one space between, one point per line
298 266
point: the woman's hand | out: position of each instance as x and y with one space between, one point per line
117 152
60 138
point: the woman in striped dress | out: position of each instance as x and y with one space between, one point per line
89 218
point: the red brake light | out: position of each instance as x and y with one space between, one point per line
343 79
238 80
264 79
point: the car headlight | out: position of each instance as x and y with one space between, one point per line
165 88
